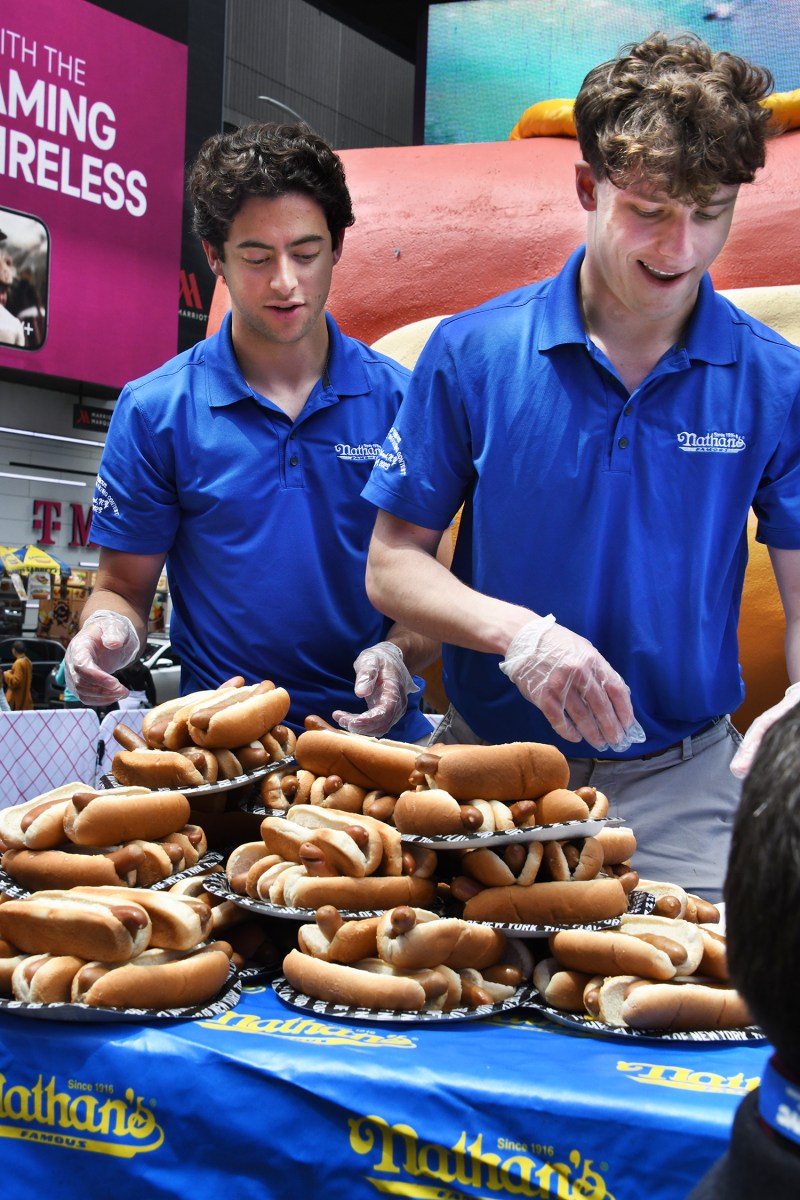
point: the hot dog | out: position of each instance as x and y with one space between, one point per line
154 979
380 843
413 938
238 716
57 922
177 922
514 771
560 805
550 903
110 817
337 940
368 762
356 987
684 1007
10 958
45 978
156 769
579 859
157 720
685 932
338 850
515 864
73 866
435 811
358 895
560 987
38 823
609 952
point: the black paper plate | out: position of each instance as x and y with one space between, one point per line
749 1033
226 998
564 831
325 1008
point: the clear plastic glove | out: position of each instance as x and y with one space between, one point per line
106 642
581 695
742 760
383 681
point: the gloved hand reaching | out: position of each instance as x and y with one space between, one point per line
581 695
743 758
107 641
384 682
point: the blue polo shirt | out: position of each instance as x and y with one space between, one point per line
623 514
261 518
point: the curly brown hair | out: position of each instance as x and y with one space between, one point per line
264 160
674 113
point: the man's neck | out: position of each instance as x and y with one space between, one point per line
284 373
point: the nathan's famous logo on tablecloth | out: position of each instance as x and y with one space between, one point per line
78 1116
401 1164
689 1080
306 1029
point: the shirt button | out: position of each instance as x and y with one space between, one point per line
293 461
623 443
628 410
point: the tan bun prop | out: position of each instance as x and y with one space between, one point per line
45 978
514 771
238 716
351 985
154 979
114 816
368 762
413 938
549 903
73 866
178 922
56 922
684 1007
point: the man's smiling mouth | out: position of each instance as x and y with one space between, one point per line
665 275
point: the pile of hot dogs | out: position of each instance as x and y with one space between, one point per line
653 972
206 737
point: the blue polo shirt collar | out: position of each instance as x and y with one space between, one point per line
709 336
226 384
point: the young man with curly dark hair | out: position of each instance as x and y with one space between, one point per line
607 432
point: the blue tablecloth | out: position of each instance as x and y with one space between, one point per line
266 1101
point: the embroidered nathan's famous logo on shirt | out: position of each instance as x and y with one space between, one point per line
366 452
711 443
391 455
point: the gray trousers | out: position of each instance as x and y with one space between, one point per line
680 804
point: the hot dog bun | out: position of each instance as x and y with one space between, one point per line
154 979
607 952
368 762
357 895
57 922
549 903
238 716
156 769
413 938
336 940
177 922
514 771
114 816
351 985
682 1007
73 866
559 986
45 978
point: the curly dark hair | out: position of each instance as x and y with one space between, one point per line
264 160
676 114
762 888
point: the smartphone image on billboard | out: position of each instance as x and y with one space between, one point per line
24 279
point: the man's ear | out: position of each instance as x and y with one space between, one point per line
337 247
586 185
215 260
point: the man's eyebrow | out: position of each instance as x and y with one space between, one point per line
255 244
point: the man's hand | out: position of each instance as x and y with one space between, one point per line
107 641
383 681
743 758
581 695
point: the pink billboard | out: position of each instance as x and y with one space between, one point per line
92 132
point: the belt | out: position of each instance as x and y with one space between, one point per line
677 745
